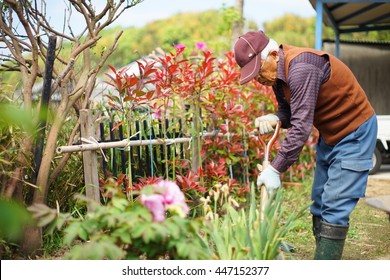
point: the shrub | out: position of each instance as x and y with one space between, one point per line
131 230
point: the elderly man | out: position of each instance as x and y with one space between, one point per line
313 87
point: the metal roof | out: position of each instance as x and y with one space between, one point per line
347 16
356 15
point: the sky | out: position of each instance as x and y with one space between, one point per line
147 11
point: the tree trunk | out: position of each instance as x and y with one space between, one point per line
51 144
238 25
32 239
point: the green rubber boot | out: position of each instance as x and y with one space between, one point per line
331 242
316 227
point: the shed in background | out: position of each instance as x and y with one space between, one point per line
370 62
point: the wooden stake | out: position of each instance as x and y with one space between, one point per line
89 160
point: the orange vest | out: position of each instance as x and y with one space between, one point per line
342 105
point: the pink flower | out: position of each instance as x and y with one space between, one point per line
157 114
200 45
174 197
180 46
167 196
155 204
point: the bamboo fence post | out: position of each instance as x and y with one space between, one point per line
89 159
125 143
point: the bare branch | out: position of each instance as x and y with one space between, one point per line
79 6
18 8
64 73
94 73
39 19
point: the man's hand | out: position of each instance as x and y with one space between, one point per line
269 177
266 123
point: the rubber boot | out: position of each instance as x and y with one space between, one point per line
331 242
316 227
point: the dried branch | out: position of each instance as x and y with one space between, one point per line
95 71
62 76
79 6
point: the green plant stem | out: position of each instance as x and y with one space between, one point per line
129 172
165 145
174 145
197 138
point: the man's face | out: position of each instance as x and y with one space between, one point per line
268 71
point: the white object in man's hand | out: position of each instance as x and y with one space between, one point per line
269 177
266 123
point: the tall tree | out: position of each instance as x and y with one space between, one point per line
238 23
25 29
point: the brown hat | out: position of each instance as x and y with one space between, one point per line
247 52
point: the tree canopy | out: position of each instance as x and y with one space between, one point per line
210 27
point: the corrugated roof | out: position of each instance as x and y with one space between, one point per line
360 42
355 15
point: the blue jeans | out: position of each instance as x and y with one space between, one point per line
341 174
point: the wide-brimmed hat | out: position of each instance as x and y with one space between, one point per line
247 52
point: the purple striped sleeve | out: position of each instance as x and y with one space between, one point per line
306 74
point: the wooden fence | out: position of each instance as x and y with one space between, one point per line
146 158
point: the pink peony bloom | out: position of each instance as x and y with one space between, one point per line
155 204
173 196
167 196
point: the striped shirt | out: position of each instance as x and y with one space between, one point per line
307 72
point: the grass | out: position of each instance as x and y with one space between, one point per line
368 237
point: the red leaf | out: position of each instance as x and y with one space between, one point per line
116 126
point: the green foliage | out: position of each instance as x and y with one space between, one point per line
299 31
14 217
294 30
125 230
229 16
242 235
14 116
213 27
183 28
15 126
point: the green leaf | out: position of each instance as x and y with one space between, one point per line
11 115
123 234
139 230
149 235
173 228
90 225
119 203
83 233
46 219
183 249
71 232
110 220
13 218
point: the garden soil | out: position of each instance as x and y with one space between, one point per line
372 226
